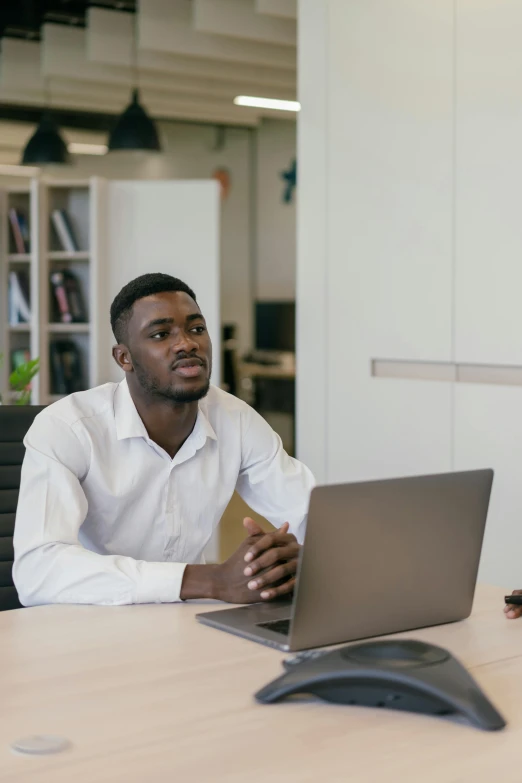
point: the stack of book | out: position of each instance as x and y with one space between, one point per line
64 230
19 298
66 367
20 238
67 298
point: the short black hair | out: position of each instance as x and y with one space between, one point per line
145 285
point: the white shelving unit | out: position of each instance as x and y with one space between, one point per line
46 331
18 336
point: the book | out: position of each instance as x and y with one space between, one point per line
68 298
64 230
19 230
19 357
61 311
24 229
19 301
66 367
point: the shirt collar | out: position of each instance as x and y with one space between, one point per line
130 425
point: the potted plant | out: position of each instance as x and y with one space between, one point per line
20 380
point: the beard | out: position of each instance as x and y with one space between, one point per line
150 384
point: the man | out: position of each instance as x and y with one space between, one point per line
123 485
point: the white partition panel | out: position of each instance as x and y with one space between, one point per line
378 283
167 226
489 181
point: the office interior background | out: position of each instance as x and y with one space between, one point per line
400 177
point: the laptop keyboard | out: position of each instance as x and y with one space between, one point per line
279 626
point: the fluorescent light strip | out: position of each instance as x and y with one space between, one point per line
266 103
79 148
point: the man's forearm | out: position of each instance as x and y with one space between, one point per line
199 581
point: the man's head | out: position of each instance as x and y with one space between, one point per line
162 338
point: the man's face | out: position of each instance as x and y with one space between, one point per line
169 347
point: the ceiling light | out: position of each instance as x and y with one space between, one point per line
134 130
267 103
45 145
79 148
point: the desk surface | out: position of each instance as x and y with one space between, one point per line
147 695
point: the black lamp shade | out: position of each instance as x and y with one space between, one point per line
134 130
45 145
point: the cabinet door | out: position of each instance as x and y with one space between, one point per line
161 226
389 236
488 434
488 182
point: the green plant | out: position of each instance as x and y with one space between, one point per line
20 380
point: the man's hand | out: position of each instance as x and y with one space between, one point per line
262 568
511 611
272 561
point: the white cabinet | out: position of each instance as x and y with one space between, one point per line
488 434
488 177
379 284
410 243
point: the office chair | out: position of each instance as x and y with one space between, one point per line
15 420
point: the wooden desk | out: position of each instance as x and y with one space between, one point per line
147 695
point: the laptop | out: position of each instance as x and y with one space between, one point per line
379 557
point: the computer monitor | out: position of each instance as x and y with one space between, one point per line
275 326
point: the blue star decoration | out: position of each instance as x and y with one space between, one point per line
290 178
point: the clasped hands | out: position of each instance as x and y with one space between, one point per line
262 568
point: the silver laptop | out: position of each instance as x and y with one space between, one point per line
379 557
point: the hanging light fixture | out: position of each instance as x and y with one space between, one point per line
134 129
45 145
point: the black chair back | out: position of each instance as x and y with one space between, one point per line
15 420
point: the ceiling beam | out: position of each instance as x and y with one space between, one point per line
20 64
283 9
109 41
166 26
238 19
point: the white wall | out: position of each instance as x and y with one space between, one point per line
409 242
276 229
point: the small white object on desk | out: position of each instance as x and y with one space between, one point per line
40 745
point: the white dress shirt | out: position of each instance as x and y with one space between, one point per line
105 516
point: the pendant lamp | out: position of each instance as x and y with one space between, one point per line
134 129
45 145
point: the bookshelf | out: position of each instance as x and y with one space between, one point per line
58 338
18 334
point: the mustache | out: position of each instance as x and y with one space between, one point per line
185 359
